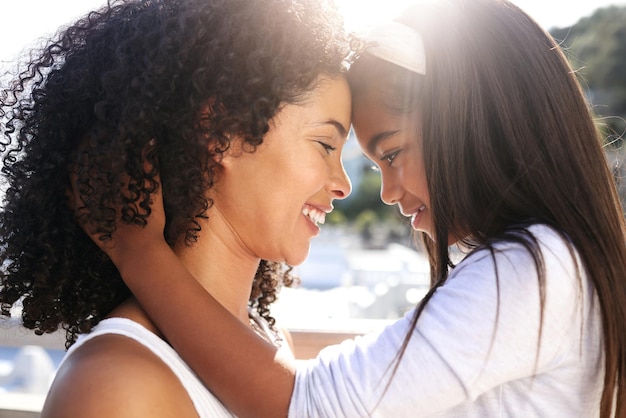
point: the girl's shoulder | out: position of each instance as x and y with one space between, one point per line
536 269
537 242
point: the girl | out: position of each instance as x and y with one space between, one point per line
484 140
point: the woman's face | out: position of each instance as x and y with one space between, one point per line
394 143
273 199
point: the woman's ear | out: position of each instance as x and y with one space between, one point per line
234 150
219 145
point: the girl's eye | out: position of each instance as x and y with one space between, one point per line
328 148
389 158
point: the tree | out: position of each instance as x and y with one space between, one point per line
596 48
367 197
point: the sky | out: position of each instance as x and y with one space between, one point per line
45 16
549 13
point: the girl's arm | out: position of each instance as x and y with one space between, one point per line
244 371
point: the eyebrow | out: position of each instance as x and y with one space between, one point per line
343 132
376 139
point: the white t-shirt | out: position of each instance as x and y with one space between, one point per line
476 350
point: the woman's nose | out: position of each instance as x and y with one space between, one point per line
340 185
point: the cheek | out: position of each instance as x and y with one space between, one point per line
412 180
415 173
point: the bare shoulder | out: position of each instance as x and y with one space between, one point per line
114 376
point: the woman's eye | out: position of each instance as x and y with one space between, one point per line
389 158
328 148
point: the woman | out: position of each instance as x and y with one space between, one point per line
228 105
484 140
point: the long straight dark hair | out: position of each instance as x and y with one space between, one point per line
508 141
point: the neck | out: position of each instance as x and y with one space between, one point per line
221 265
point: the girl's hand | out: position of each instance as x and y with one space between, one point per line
167 291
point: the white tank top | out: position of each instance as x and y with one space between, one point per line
206 404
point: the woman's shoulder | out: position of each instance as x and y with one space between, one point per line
276 334
112 375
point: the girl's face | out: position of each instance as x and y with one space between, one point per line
273 199
394 143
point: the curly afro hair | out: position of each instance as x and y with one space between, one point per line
132 83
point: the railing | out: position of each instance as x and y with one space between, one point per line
308 341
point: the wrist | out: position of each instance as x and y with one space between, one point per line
138 255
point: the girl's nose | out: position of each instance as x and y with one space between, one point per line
390 190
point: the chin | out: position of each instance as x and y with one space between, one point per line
424 231
292 259
297 259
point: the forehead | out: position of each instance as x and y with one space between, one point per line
330 100
373 121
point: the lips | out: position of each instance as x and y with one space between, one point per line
416 216
317 216
412 212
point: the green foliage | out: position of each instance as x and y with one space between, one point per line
365 220
596 48
367 197
336 217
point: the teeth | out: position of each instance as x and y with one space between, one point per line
317 216
418 211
